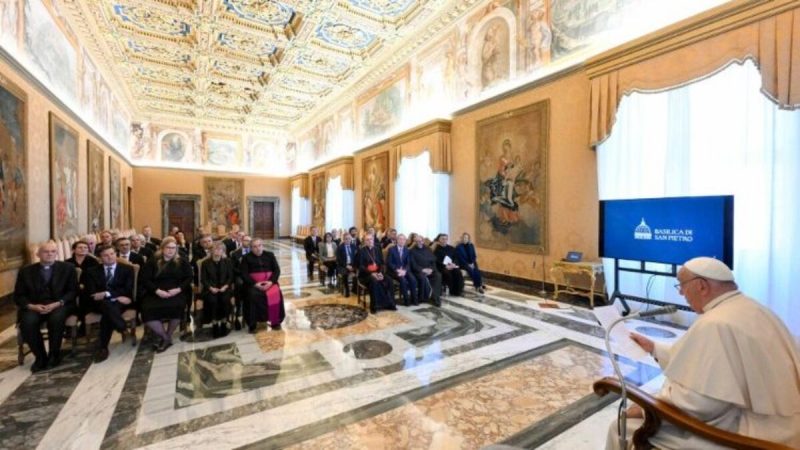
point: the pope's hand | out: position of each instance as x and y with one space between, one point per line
646 344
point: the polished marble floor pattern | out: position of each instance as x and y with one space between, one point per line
480 370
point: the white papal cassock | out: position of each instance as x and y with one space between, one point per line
737 368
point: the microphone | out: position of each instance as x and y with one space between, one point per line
655 312
622 413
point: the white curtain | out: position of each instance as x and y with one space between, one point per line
422 198
300 213
718 136
339 205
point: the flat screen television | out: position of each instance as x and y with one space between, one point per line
667 230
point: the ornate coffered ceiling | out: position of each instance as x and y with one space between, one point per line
248 65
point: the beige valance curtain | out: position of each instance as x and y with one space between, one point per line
343 168
433 137
767 34
300 181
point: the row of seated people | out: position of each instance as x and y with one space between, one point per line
419 270
48 291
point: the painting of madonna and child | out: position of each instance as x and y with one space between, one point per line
512 177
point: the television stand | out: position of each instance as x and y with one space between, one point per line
641 270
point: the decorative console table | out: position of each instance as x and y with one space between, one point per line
565 274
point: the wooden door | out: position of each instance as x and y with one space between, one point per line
181 214
264 220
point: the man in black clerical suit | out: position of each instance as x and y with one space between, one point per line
423 265
45 293
311 246
446 258
347 263
371 273
239 292
109 291
260 272
123 246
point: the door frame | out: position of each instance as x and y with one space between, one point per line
166 198
251 221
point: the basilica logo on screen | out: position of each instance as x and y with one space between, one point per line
643 232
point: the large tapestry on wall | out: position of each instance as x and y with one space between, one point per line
512 179
13 169
224 199
95 172
114 193
63 179
375 176
318 185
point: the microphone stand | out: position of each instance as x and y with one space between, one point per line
622 415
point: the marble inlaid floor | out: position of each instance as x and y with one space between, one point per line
479 370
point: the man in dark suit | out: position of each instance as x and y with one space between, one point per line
106 238
123 246
239 291
149 241
347 262
200 251
423 265
353 231
233 241
44 293
389 238
138 247
311 246
109 291
399 268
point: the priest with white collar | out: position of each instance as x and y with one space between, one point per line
737 367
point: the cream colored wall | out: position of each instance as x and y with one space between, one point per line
151 183
571 178
38 172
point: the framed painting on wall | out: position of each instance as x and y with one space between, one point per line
222 150
375 184
63 179
319 185
224 199
114 194
95 177
512 179
13 177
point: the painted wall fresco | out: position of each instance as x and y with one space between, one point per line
95 178
63 178
114 193
13 169
512 179
224 199
36 33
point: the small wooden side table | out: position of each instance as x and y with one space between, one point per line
565 273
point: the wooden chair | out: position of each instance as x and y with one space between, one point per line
656 411
130 315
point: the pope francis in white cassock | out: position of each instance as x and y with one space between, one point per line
737 367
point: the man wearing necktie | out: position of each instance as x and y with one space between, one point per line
123 246
311 246
109 292
399 268
44 293
346 262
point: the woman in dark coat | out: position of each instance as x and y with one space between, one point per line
468 260
446 259
166 284
216 276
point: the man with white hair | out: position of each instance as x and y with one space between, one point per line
44 293
736 368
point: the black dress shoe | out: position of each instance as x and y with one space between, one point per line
215 331
38 366
392 308
275 327
163 347
252 330
223 329
237 325
100 355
